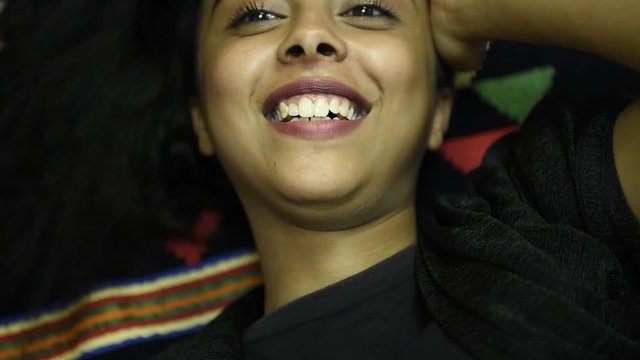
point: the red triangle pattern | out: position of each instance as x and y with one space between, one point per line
191 249
465 153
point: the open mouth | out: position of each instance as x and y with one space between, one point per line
316 107
315 100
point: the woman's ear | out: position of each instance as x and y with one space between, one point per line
440 121
201 129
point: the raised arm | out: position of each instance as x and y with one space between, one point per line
610 29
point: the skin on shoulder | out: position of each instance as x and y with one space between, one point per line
334 104
626 147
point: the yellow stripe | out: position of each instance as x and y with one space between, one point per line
63 339
132 290
136 333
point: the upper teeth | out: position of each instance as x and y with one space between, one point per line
316 107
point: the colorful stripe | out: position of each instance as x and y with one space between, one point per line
166 305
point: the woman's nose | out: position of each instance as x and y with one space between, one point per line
312 38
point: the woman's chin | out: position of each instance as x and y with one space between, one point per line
332 201
319 193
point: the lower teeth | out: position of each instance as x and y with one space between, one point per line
297 119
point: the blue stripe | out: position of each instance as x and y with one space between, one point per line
211 261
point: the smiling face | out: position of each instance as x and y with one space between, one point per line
319 110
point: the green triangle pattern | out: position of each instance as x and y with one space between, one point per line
515 95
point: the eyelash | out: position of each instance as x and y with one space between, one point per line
247 8
252 7
377 5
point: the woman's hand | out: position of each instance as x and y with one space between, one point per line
458 32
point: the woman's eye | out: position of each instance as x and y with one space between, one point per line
252 17
368 11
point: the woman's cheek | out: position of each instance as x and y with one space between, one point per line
396 64
238 66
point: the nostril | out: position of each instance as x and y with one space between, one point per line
295 51
326 49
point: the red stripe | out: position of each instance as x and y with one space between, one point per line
96 334
131 298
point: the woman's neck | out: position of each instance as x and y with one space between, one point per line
297 262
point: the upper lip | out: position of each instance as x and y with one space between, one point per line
314 86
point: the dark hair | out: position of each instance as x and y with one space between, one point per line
97 153
445 76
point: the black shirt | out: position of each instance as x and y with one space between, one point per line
376 314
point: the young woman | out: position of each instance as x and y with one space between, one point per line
320 112
540 262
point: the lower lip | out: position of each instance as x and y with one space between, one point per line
321 129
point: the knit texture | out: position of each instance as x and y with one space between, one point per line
540 261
